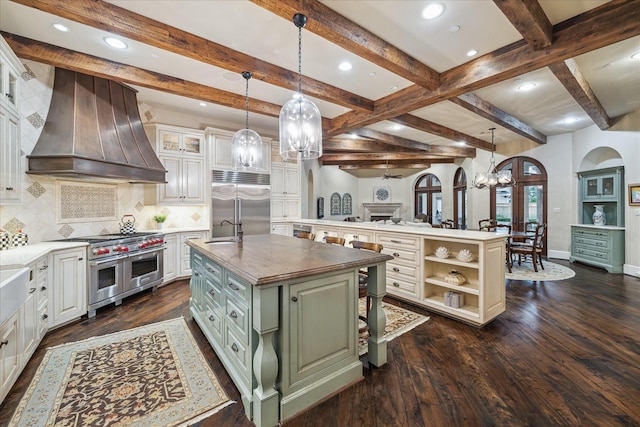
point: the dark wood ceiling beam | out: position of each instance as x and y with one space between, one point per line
423 125
328 24
569 74
490 112
437 150
395 165
530 20
120 21
358 145
382 157
602 26
92 65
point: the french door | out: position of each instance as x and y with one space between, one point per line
525 202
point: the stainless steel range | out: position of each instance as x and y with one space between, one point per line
121 265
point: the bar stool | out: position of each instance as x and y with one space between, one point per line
334 240
305 235
363 277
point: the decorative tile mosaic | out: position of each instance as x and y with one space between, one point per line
87 201
14 225
139 206
36 189
36 120
196 216
66 230
28 74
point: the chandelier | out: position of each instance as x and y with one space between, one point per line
300 119
246 144
492 177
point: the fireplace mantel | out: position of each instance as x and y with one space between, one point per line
381 210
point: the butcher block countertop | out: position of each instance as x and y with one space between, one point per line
270 258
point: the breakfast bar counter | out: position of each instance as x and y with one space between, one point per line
282 315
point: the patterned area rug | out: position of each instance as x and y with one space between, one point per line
399 321
154 375
551 272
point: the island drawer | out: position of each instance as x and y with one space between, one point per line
402 256
398 286
214 271
405 272
238 354
238 289
213 322
237 316
398 241
593 254
213 292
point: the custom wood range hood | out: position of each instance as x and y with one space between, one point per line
93 129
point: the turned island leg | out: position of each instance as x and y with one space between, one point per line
266 402
377 321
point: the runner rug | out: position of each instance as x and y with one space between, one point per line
399 321
154 375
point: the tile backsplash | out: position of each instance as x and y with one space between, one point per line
53 208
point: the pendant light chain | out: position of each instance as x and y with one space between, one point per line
246 102
300 60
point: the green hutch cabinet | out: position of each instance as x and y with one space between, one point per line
600 245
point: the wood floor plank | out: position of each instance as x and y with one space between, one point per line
564 353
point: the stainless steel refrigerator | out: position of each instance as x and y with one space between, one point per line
240 197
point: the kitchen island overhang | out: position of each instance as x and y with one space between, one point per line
282 315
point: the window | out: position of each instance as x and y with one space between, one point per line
460 199
428 198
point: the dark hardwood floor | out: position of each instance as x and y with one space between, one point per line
564 353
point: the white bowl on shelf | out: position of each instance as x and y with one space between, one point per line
442 252
465 255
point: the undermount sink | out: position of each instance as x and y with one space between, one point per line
222 240
13 290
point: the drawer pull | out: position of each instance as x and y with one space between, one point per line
396 241
234 287
294 299
212 318
32 290
195 273
396 269
211 270
212 292
234 347
396 254
233 314
45 316
396 284
44 267
44 288
5 342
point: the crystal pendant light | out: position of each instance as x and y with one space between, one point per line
246 144
493 178
300 119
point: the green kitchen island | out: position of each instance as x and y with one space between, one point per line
281 313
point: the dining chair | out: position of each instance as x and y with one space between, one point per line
334 240
447 223
305 235
533 249
483 223
363 278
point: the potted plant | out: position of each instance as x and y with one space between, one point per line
159 219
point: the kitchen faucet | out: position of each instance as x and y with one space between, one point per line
239 230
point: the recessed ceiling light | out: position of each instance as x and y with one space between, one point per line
345 66
115 43
353 136
472 52
203 104
372 74
60 27
433 11
155 55
570 120
394 87
635 56
462 143
396 126
231 76
455 28
527 86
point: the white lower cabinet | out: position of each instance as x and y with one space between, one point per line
403 271
170 258
282 228
68 289
10 353
350 234
176 254
185 252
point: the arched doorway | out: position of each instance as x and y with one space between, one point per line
428 198
525 202
460 199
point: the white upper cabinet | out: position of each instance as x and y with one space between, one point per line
221 151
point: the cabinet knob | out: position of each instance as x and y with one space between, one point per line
45 316
5 342
233 314
212 292
294 299
80 259
396 254
396 269
44 288
234 347
396 284
212 318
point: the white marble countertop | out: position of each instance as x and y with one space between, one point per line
175 230
23 255
403 227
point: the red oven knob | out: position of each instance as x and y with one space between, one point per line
117 248
125 249
106 251
143 245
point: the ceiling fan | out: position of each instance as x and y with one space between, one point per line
387 174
